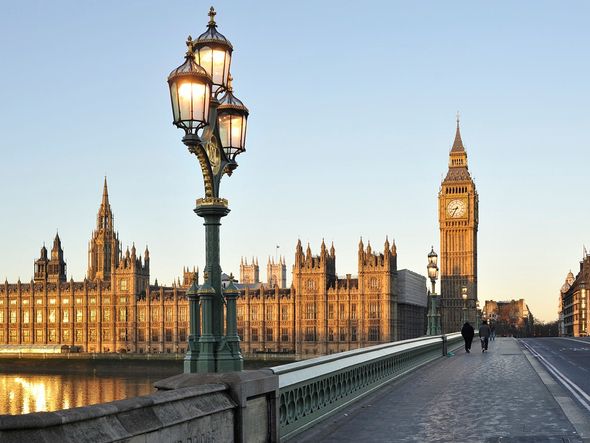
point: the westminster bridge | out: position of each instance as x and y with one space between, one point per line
420 390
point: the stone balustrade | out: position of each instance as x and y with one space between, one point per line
249 406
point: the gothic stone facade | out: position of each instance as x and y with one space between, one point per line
574 302
115 309
458 204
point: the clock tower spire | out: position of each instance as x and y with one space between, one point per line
458 221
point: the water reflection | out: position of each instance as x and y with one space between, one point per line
30 385
25 393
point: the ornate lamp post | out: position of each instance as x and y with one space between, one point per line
214 122
433 316
464 295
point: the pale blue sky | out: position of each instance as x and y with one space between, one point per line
352 115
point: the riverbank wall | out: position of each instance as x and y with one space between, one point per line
203 408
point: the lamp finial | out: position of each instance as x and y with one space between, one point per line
190 52
212 17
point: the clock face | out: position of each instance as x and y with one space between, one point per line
213 154
457 208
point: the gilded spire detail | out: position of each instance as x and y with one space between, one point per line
458 143
212 14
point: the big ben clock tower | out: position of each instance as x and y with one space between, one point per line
458 218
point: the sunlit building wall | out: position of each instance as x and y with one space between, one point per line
116 309
575 308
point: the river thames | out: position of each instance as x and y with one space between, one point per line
49 385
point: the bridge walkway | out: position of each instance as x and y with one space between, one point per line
497 396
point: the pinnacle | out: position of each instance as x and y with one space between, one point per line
105 192
458 143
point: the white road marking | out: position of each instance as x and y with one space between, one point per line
576 340
578 392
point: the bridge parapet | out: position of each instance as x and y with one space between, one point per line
311 390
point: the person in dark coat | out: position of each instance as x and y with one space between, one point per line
467 332
484 335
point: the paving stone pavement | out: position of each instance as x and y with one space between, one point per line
479 397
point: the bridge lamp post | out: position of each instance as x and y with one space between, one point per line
214 124
433 316
464 295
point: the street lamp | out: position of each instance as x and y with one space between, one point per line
432 268
464 295
433 316
215 131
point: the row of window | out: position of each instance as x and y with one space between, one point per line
311 335
78 315
64 301
269 313
122 335
255 337
374 311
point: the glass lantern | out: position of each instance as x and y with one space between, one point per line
213 52
232 117
190 93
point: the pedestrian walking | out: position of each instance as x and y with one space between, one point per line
492 332
467 332
484 335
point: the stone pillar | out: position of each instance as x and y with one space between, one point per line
232 340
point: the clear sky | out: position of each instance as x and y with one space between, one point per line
352 116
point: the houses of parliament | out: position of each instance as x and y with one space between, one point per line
116 309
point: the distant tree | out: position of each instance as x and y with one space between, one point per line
545 329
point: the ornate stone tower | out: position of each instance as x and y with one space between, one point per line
188 276
104 247
458 218
41 266
52 270
276 273
377 287
313 276
56 268
249 273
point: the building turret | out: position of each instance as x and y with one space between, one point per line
321 269
188 276
56 267
570 278
249 273
298 253
276 273
41 266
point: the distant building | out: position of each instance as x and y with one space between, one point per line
249 273
575 306
276 273
116 309
413 301
511 318
567 284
